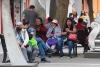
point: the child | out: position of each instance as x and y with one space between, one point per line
33 44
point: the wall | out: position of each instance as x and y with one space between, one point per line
78 6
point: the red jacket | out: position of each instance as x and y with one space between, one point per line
79 26
42 32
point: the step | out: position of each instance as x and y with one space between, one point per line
92 54
9 65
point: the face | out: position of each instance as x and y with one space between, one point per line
69 22
20 26
27 26
38 22
52 24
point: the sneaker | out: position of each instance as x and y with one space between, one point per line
69 56
50 51
45 60
61 56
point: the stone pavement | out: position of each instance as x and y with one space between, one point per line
79 61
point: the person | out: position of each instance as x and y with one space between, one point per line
69 28
30 15
86 19
33 44
22 38
41 44
80 26
54 32
75 17
41 30
48 25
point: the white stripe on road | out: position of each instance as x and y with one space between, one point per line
69 64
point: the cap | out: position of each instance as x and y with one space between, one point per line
55 21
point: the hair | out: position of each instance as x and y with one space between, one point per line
32 7
66 26
18 29
70 14
80 20
75 15
50 19
83 13
25 22
40 21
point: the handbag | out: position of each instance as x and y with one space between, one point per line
72 37
52 41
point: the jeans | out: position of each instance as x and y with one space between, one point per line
24 51
34 52
60 45
42 47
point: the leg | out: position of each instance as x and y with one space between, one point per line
70 46
29 52
53 46
40 41
34 52
24 51
60 44
41 51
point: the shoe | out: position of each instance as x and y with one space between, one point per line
61 56
50 56
50 51
69 56
28 62
45 60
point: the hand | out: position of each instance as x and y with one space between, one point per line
64 33
38 29
67 30
51 35
22 46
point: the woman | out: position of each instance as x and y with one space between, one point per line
75 17
40 29
67 30
54 32
86 20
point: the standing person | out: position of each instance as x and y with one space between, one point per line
30 15
41 30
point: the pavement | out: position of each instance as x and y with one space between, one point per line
79 61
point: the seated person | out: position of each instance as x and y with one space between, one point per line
54 32
80 26
41 45
69 28
22 43
41 30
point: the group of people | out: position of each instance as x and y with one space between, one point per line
33 36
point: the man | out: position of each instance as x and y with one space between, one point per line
82 35
30 15
41 44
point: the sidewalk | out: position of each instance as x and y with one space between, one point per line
79 61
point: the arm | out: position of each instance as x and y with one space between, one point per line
26 38
48 33
58 32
